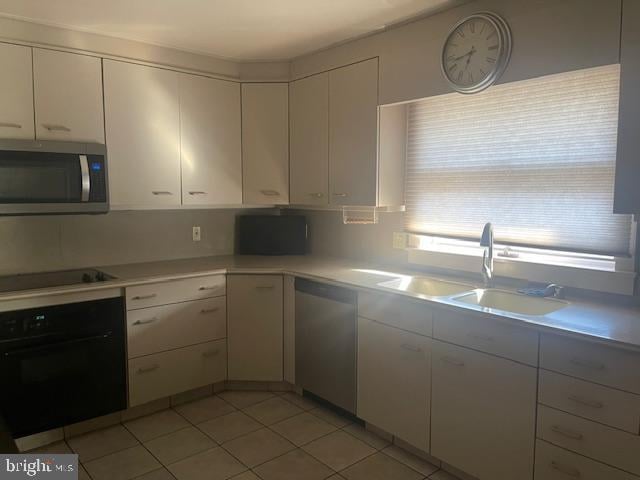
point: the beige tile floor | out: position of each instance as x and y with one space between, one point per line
243 435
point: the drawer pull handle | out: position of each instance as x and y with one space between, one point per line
203 289
195 192
56 128
270 193
586 401
144 297
211 353
484 338
10 125
342 195
569 471
204 311
567 433
580 362
317 195
411 348
145 322
161 192
264 287
150 369
453 361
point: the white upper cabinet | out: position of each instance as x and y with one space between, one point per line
16 92
309 141
353 134
142 113
265 143
210 141
68 96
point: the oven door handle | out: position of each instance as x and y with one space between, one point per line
51 346
86 178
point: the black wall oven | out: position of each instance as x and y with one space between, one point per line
62 364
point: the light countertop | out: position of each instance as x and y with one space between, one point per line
593 320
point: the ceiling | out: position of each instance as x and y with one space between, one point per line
243 30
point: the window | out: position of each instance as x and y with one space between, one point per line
536 158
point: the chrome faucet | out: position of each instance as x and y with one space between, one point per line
487 256
553 290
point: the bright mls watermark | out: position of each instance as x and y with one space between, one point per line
46 466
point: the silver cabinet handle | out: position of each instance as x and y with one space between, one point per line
144 297
569 471
566 433
586 401
210 287
211 353
317 195
161 192
265 287
86 178
270 193
452 361
196 192
10 125
411 348
205 311
484 338
581 362
55 128
340 195
145 322
150 369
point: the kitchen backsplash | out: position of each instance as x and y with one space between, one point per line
40 243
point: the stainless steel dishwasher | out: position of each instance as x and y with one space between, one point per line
326 319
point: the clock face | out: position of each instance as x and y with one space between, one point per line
476 52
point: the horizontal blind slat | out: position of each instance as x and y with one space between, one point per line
536 158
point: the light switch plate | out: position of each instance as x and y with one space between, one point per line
196 234
399 240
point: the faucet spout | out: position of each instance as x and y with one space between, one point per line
487 257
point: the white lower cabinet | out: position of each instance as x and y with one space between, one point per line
168 373
394 381
483 413
255 327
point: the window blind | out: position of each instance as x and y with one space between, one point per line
536 158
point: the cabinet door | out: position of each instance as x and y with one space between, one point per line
265 143
309 130
483 413
353 134
143 135
210 141
394 381
68 96
16 92
255 315
627 193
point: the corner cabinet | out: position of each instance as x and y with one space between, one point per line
265 143
210 141
16 92
142 115
627 194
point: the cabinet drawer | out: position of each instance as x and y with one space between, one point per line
156 329
605 444
595 402
590 361
394 311
487 335
168 373
164 293
553 463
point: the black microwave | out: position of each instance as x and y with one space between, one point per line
52 177
271 235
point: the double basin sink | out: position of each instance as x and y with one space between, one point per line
489 298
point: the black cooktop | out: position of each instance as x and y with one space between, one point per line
32 281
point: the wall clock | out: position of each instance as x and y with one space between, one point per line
476 52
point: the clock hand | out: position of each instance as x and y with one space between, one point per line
468 54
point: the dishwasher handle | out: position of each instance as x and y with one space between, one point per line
338 294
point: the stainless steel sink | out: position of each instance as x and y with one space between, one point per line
511 302
430 287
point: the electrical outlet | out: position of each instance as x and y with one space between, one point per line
399 240
196 234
